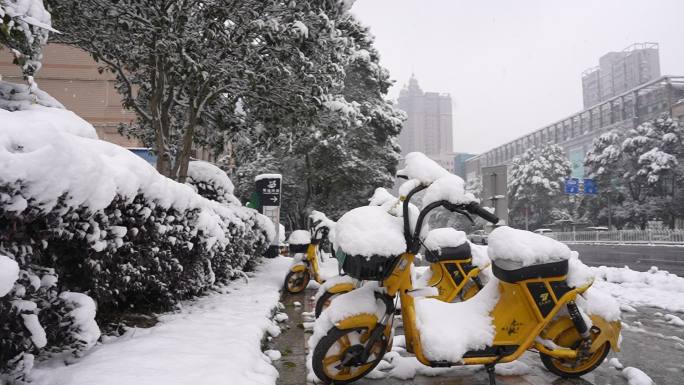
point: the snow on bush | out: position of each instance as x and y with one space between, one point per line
211 182
25 26
9 272
524 248
107 224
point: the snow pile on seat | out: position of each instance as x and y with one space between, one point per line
449 330
450 188
211 182
299 237
445 237
380 197
418 166
524 248
369 231
9 272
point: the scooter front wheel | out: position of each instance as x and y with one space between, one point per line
296 281
324 301
338 357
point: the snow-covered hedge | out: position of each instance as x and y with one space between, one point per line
105 223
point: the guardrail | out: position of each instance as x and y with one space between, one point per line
621 236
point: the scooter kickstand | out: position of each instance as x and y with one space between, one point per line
490 373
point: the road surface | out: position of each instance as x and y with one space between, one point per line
637 257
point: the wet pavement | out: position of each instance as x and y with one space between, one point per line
649 343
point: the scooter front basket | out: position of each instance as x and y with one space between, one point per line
375 268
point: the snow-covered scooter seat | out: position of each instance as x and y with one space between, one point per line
446 244
518 255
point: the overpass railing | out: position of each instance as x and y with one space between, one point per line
621 236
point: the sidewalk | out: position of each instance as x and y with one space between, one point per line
213 340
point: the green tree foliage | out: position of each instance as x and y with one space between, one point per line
536 185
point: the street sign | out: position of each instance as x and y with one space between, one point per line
580 186
267 200
590 188
572 186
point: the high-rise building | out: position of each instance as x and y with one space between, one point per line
428 127
619 72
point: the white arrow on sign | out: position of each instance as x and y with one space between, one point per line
274 199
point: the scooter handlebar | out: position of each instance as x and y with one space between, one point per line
478 210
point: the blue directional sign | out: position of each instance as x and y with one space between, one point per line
590 188
572 186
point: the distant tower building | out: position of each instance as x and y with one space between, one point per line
428 127
619 72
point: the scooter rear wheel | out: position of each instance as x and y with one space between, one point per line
572 368
296 281
339 346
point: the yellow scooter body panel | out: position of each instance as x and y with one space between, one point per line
450 278
311 252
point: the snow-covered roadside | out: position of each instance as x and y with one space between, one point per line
213 340
655 288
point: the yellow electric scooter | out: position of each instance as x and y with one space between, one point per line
305 266
451 272
535 310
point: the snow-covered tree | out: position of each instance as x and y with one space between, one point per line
24 28
190 69
336 163
536 185
639 173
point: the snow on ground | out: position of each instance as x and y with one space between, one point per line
213 340
635 376
631 288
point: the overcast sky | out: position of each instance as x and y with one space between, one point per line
513 66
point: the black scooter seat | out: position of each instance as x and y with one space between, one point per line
458 253
543 270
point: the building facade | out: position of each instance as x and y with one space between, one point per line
428 127
71 76
576 133
619 72
460 159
